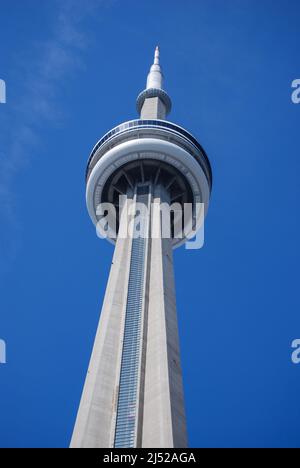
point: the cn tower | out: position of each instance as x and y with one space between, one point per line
133 393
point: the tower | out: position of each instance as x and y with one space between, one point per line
133 395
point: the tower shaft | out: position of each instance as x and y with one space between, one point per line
133 394
153 108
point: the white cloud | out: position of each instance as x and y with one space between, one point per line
51 62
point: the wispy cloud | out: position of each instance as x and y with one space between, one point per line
52 61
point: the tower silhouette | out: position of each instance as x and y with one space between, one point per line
133 394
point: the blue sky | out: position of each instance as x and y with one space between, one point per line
73 70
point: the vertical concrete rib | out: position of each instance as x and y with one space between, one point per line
99 397
164 422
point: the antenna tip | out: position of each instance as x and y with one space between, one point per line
156 55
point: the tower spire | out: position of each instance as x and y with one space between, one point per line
155 76
154 102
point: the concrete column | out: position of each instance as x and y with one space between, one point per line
95 417
160 415
164 422
153 108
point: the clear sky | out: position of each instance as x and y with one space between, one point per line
73 70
